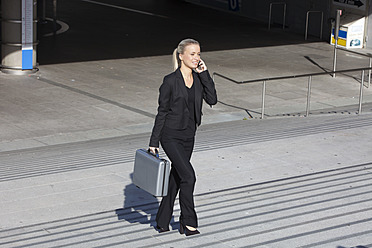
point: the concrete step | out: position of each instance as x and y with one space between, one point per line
322 209
286 182
114 151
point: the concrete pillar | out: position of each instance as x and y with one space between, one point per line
18 50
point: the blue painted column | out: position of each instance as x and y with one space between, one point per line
27 34
18 46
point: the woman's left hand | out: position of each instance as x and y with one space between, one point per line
202 67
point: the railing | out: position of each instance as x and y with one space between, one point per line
336 31
43 18
309 76
321 23
368 55
284 12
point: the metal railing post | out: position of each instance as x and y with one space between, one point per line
307 24
321 23
44 11
308 96
270 15
361 93
263 99
369 72
284 13
336 30
54 16
334 59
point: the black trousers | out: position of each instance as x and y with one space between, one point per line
182 179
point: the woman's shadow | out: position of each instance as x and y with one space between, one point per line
139 206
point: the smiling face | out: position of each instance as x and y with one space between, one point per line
191 56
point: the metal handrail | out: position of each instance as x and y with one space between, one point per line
225 77
309 75
321 22
284 12
292 76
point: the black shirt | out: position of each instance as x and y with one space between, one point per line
189 132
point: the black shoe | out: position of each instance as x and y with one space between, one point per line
161 229
186 231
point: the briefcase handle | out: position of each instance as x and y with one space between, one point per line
156 153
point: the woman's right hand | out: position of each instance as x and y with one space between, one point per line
154 150
202 67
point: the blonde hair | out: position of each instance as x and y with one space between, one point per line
180 50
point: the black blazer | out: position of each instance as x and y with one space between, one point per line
173 109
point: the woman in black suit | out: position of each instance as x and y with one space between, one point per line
179 113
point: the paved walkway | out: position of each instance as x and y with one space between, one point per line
99 99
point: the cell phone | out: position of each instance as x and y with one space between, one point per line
199 65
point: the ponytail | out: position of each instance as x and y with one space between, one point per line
175 60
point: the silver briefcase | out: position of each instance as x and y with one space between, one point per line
151 173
